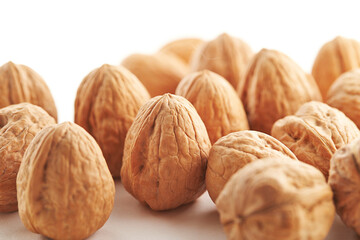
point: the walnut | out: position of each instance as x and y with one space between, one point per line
216 101
276 199
274 86
314 133
19 124
165 154
64 187
19 83
106 104
234 151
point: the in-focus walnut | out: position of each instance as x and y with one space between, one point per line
315 132
64 187
19 83
276 199
274 86
334 58
19 124
344 94
216 101
106 104
225 55
344 180
234 151
165 153
160 73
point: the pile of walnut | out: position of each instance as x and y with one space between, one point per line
251 129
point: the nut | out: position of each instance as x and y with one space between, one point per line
344 180
276 199
165 154
334 58
274 87
19 83
225 55
18 125
344 94
64 188
160 73
106 104
314 133
216 102
234 151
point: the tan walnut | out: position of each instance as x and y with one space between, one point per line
165 154
19 124
276 199
344 180
234 151
106 104
19 83
160 73
315 132
64 187
344 94
225 55
334 58
216 101
274 86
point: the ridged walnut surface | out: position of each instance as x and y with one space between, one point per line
234 151
160 73
165 154
19 83
344 180
19 124
334 58
225 55
315 132
274 86
216 101
106 104
64 187
276 199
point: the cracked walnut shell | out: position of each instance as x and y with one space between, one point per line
165 154
64 187
275 199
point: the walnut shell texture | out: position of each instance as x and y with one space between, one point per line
19 83
64 187
234 151
315 132
225 55
106 104
165 154
160 73
216 101
334 58
19 124
274 86
275 199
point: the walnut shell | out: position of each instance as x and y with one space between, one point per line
276 199
19 83
165 154
64 187
274 86
344 180
216 101
234 151
334 58
315 132
19 124
225 55
160 73
106 104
